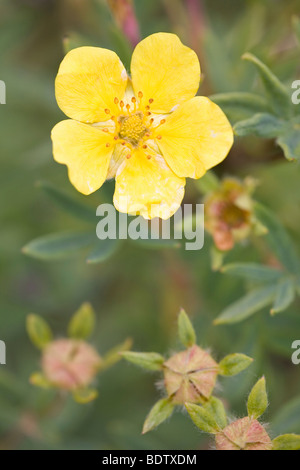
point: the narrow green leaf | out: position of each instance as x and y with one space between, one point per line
289 141
252 271
82 324
115 354
84 396
158 414
58 245
239 105
258 399
284 297
247 306
203 418
216 408
38 331
278 239
103 250
186 330
278 95
150 361
286 442
261 125
67 203
233 364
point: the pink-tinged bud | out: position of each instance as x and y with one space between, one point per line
244 434
229 213
190 376
124 14
69 364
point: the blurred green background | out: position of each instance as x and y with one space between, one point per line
138 291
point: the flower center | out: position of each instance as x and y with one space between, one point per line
132 128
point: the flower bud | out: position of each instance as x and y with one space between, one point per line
229 212
69 364
190 376
244 434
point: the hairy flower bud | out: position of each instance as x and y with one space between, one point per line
190 376
229 213
244 434
70 364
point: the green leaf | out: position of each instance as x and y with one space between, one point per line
69 204
278 239
150 361
82 324
58 245
208 183
286 442
216 408
239 105
115 354
247 306
233 364
278 94
186 330
39 380
203 418
38 331
258 399
84 396
290 143
284 297
158 414
261 125
252 271
103 250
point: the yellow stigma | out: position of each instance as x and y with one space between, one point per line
132 128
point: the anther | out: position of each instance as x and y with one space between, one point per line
105 130
128 156
151 121
151 100
108 145
147 107
133 99
145 146
128 107
116 137
159 137
149 157
122 104
116 101
140 95
148 113
107 111
163 121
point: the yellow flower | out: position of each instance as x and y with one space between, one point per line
149 132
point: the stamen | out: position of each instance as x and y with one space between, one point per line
147 107
116 101
163 121
151 100
128 107
108 145
151 121
122 104
140 94
133 99
145 147
116 137
159 137
105 129
128 156
107 111
149 157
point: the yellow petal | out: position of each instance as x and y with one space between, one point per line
83 149
196 137
148 187
118 157
165 70
88 81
